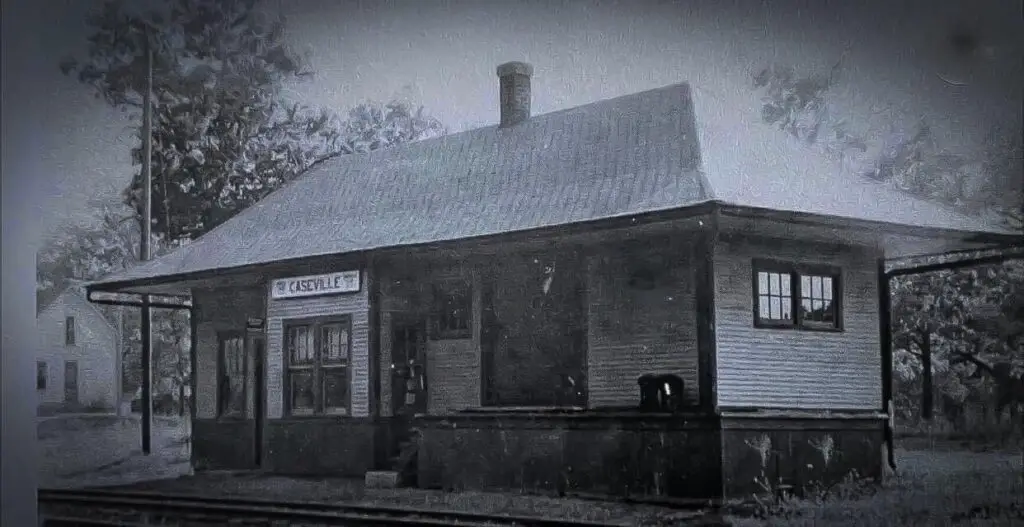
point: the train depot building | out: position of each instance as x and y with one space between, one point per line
477 311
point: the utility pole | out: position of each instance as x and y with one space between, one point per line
144 249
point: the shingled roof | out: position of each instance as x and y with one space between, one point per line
646 152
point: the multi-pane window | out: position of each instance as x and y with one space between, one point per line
69 331
453 311
789 295
41 375
233 369
317 355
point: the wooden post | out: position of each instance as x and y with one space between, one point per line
885 335
147 205
927 392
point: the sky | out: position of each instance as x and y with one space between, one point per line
443 54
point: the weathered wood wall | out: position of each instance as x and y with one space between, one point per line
632 330
791 368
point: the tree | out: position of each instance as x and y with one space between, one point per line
224 134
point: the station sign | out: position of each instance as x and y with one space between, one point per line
315 285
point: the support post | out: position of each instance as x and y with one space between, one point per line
144 251
927 391
885 334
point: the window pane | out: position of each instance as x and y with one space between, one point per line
786 289
826 287
805 287
787 307
776 308
762 283
816 286
335 386
763 306
773 283
334 342
301 385
828 312
300 345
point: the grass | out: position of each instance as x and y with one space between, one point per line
942 485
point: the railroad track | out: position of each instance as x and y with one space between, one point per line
102 508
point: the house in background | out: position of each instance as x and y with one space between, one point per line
475 311
78 357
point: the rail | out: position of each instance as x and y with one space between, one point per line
60 507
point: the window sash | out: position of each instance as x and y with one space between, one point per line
69 331
453 310
330 347
232 374
41 375
806 283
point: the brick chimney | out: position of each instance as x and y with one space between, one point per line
514 83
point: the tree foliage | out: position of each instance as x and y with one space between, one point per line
224 134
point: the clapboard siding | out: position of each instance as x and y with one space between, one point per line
785 368
633 331
279 312
220 310
95 350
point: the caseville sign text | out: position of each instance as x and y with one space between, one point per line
315 285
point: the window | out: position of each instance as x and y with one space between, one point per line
233 368
69 331
801 296
453 311
316 356
40 375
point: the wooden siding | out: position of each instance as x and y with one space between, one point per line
95 350
220 310
634 331
790 368
355 305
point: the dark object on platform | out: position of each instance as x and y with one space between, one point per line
661 393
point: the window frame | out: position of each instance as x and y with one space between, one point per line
42 374
443 291
222 338
70 331
317 366
796 271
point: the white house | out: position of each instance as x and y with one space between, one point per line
78 355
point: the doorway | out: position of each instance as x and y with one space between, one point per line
256 350
71 382
408 392
408 367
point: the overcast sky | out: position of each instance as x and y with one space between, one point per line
443 55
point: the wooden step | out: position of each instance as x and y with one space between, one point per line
382 479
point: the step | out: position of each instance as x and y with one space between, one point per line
381 479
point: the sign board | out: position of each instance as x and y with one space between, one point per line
315 285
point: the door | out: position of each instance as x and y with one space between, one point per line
408 368
257 349
70 381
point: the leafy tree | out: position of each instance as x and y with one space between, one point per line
224 135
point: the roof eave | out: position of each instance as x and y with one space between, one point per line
807 218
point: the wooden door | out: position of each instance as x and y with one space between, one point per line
71 381
408 372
